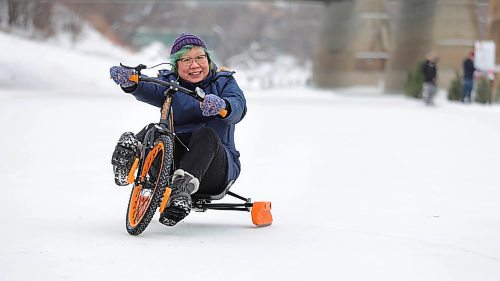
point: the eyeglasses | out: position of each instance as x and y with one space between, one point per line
201 59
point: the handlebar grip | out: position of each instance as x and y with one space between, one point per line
134 78
223 112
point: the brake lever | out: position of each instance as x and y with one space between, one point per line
136 68
201 94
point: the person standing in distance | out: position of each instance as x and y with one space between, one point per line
429 71
469 69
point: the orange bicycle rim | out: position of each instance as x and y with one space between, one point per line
139 203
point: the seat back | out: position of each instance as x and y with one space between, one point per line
198 196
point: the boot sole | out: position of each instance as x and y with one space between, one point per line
179 208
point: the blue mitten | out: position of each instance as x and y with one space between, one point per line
120 75
212 105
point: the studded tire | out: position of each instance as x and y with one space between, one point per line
146 198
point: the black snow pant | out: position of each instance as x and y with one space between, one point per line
205 158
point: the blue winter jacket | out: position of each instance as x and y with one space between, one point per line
187 112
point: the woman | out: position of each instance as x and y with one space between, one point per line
205 155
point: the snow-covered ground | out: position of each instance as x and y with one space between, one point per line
363 186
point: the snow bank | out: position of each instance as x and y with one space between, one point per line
63 66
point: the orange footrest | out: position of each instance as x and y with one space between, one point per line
166 196
261 214
131 174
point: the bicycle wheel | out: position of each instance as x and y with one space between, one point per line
146 196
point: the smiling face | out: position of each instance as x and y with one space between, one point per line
193 66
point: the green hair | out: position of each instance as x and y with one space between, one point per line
184 50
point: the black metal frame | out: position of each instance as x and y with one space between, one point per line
201 203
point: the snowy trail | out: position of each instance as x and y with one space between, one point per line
363 188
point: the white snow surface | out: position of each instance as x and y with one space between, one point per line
364 186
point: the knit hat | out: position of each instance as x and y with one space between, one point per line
186 39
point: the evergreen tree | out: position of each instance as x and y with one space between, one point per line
415 80
456 87
483 92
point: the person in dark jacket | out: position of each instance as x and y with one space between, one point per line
205 155
429 71
469 70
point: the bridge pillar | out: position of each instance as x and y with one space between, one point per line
352 44
333 58
494 26
412 39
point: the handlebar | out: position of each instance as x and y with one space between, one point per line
197 94
173 85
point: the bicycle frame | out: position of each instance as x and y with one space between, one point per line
164 127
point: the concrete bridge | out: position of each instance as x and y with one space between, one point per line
372 42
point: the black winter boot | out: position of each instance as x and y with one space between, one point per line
126 151
179 204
